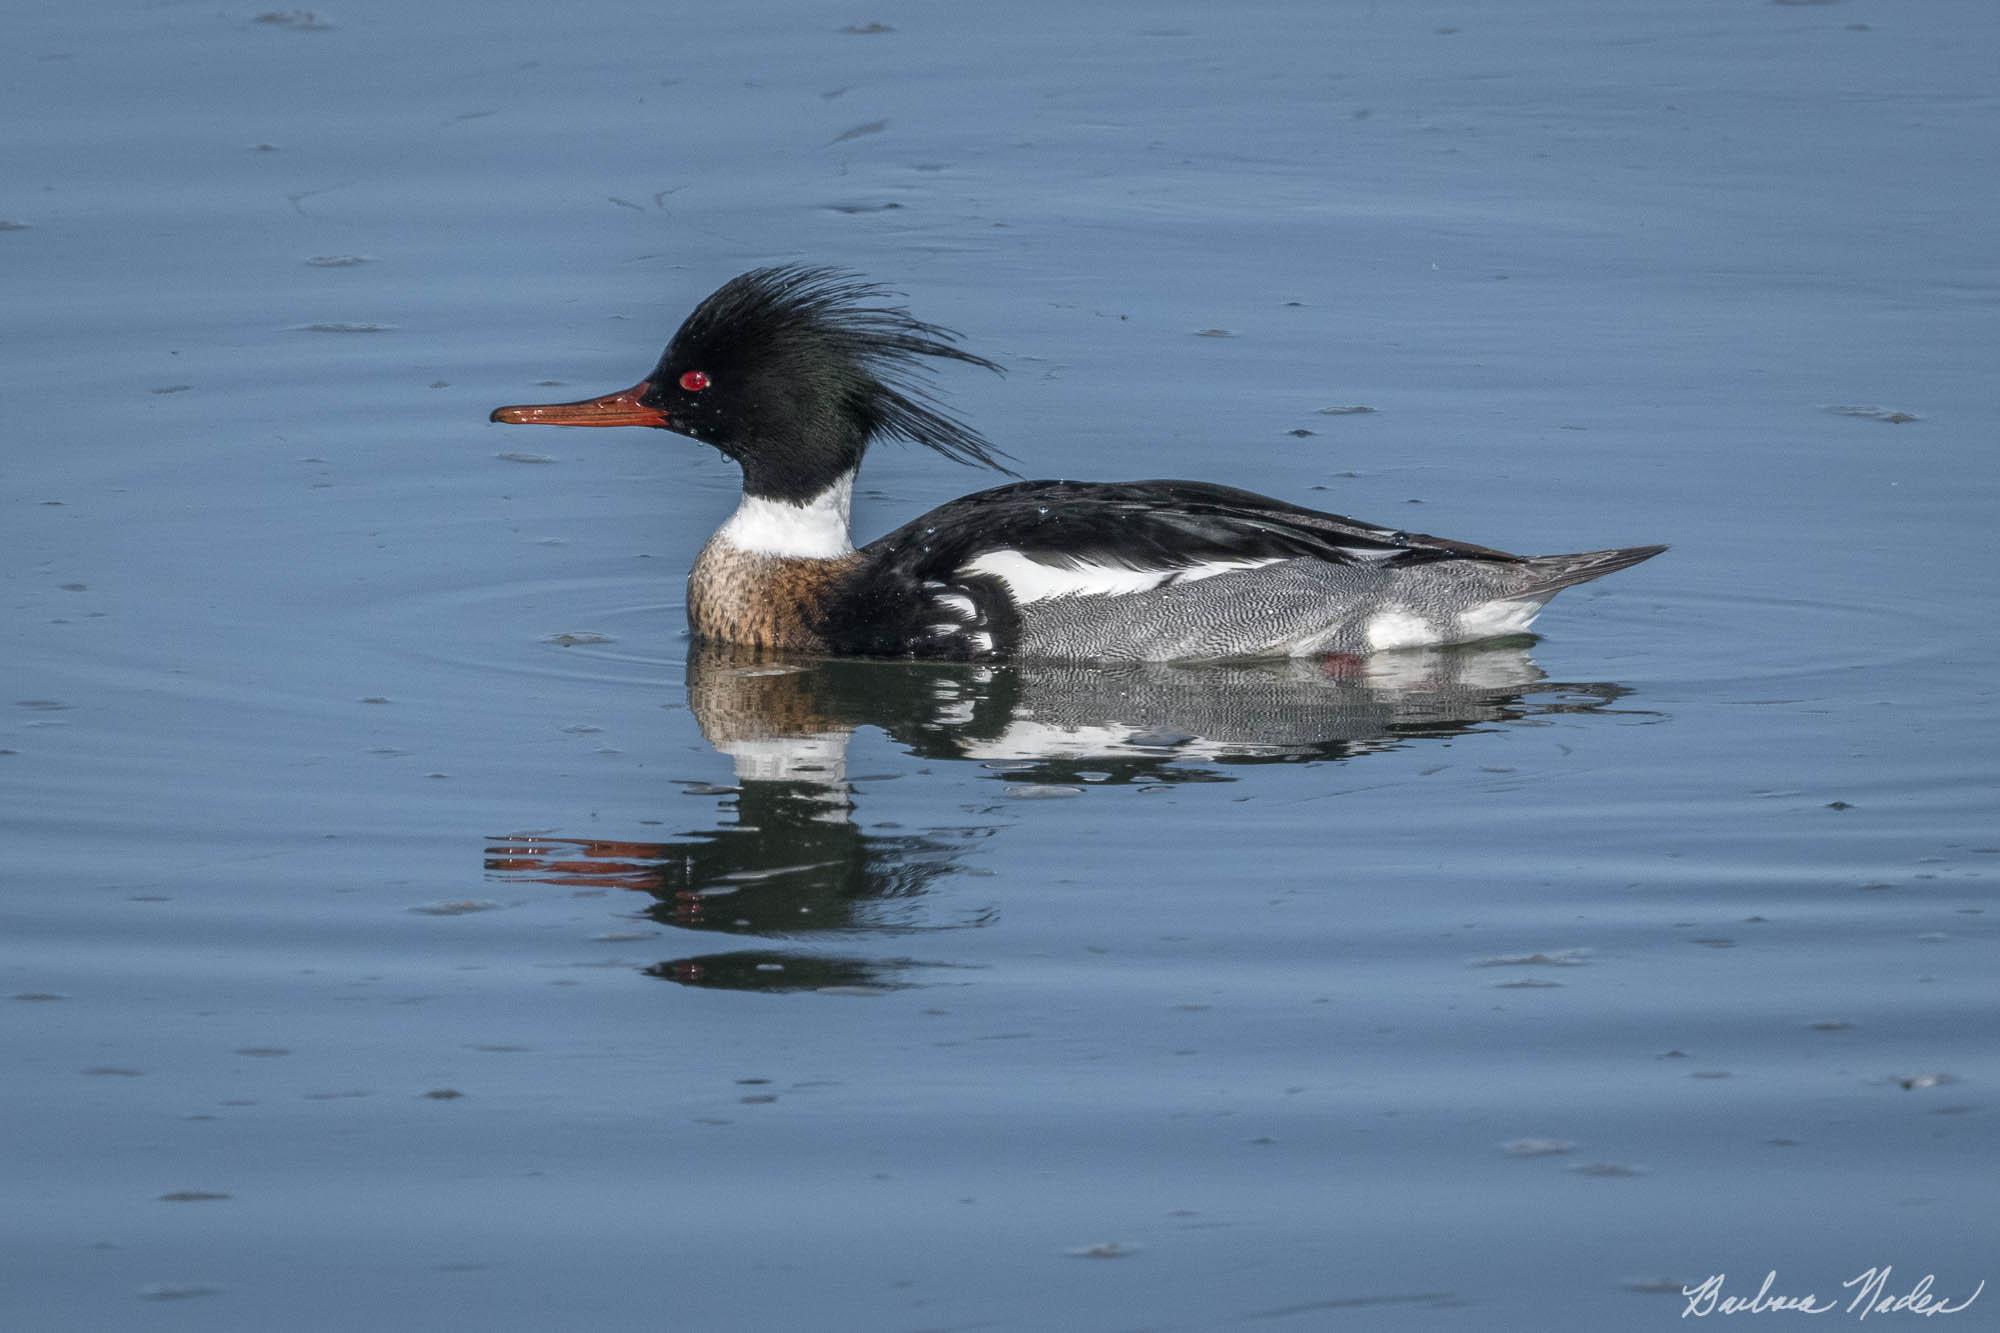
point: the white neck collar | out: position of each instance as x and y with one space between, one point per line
815 530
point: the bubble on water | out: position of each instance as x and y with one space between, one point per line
1549 958
1104 1249
298 20
859 132
1892 416
176 1291
1918 1082
1537 1147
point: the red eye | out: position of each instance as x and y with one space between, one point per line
694 381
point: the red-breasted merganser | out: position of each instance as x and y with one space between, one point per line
793 371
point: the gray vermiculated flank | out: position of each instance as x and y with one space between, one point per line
1294 606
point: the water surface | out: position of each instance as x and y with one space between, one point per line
403 926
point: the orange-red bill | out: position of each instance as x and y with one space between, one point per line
624 408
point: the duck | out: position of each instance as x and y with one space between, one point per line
793 371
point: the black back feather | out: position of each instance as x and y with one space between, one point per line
837 338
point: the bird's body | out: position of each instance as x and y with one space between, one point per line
786 371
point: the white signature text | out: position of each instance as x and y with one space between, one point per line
1871 1296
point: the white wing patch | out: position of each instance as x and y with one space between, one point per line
1030 580
1375 555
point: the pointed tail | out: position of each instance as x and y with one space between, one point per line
1550 573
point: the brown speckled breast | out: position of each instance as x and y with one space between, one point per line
765 601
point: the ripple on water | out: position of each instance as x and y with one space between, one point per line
598 630
1723 639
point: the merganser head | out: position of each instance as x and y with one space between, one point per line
791 371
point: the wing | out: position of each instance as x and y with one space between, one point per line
953 582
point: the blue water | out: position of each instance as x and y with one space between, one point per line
405 929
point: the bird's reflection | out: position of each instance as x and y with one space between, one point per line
792 861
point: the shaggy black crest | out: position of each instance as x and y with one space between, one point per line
822 362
